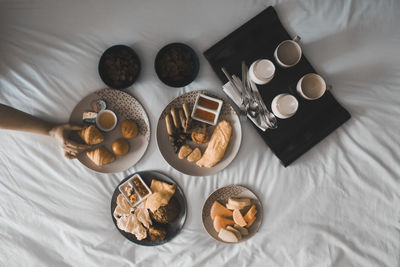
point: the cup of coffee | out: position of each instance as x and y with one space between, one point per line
284 106
311 86
288 53
262 71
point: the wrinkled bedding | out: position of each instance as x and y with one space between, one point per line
338 205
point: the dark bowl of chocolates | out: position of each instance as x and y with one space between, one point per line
119 67
176 65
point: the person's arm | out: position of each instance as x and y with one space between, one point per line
14 119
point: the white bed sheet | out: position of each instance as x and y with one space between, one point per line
338 205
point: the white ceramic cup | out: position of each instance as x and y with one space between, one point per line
98 124
288 53
311 86
284 106
262 71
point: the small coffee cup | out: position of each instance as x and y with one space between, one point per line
284 106
311 86
288 53
262 71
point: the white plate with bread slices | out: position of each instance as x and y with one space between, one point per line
120 148
194 147
232 214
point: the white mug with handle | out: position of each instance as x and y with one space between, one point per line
288 53
312 86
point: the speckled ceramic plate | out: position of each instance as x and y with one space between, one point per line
222 195
173 228
190 168
124 106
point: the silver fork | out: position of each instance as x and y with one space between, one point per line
269 118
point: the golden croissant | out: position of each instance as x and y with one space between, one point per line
91 135
100 156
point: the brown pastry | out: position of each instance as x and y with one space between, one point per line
157 233
128 129
200 134
100 156
217 146
162 193
168 213
91 135
195 155
120 147
184 151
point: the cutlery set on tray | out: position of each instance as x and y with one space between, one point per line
245 95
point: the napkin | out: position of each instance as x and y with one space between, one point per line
237 98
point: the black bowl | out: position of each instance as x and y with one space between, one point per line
176 65
173 228
119 67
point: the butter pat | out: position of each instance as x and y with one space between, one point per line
89 117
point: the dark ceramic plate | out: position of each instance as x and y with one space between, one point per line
119 66
172 228
162 63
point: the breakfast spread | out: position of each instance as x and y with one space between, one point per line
188 135
229 221
150 211
105 120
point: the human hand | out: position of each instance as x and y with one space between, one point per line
60 134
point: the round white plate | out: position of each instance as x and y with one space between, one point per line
124 106
190 168
222 195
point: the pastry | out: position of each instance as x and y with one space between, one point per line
128 129
195 155
100 156
131 224
91 135
142 214
157 233
162 193
200 137
217 146
184 151
168 213
120 147
123 207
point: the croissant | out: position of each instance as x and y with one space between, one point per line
100 156
91 135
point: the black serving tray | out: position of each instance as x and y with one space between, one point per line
313 121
